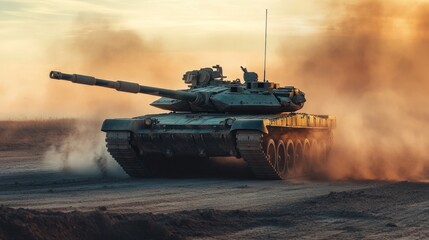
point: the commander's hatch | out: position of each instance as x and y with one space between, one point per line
204 77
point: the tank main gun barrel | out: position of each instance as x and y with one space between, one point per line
125 86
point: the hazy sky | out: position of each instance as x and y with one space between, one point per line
29 25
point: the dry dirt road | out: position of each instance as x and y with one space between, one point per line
57 204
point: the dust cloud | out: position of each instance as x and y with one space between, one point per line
83 152
100 46
370 69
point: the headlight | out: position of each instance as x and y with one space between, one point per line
148 121
229 121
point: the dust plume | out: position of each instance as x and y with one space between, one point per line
83 151
101 46
369 68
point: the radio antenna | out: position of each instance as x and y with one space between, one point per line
265 51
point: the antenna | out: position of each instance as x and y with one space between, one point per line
265 52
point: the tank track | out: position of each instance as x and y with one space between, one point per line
249 144
119 146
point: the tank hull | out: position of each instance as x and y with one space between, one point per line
142 145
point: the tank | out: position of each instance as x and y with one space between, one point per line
214 117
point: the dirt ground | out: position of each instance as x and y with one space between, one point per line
41 202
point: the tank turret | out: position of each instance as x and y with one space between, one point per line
209 92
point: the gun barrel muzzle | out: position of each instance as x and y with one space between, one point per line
76 78
60 75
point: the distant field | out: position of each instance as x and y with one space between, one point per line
33 134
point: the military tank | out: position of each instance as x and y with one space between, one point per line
252 120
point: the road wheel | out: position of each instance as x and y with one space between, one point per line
323 152
281 158
270 152
299 154
290 155
314 152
